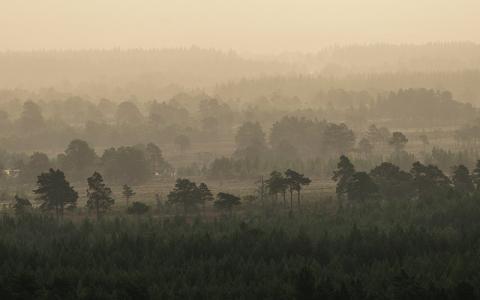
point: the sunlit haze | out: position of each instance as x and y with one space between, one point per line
263 26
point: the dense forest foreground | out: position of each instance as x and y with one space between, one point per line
373 250
385 234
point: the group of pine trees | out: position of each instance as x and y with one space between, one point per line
388 181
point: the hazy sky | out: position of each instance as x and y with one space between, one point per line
244 25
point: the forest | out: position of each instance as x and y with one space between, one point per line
347 172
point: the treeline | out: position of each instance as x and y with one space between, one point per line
412 247
125 164
47 124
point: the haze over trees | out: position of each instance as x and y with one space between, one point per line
352 172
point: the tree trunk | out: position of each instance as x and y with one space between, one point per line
291 199
61 212
97 209
298 199
284 199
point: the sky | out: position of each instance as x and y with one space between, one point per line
255 26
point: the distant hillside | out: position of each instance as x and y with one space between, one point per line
381 58
147 74
140 72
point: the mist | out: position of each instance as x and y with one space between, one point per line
239 149
267 26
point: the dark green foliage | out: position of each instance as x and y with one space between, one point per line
398 141
21 205
392 182
55 192
205 194
342 174
126 164
429 181
127 193
295 181
226 202
185 193
360 187
395 252
476 176
462 181
99 195
138 208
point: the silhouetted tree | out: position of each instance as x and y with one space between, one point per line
342 174
79 157
398 141
99 196
462 181
125 164
127 193
226 202
392 182
429 181
360 186
185 193
55 192
138 208
21 205
296 181
277 184
205 194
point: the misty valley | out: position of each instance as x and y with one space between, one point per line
353 173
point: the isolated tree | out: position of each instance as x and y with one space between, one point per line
55 192
127 193
276 184
360 186
462 181
342 174
182 142
398 141
99 196
205 194
138 208
226 202
21 205
296 181
185 193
